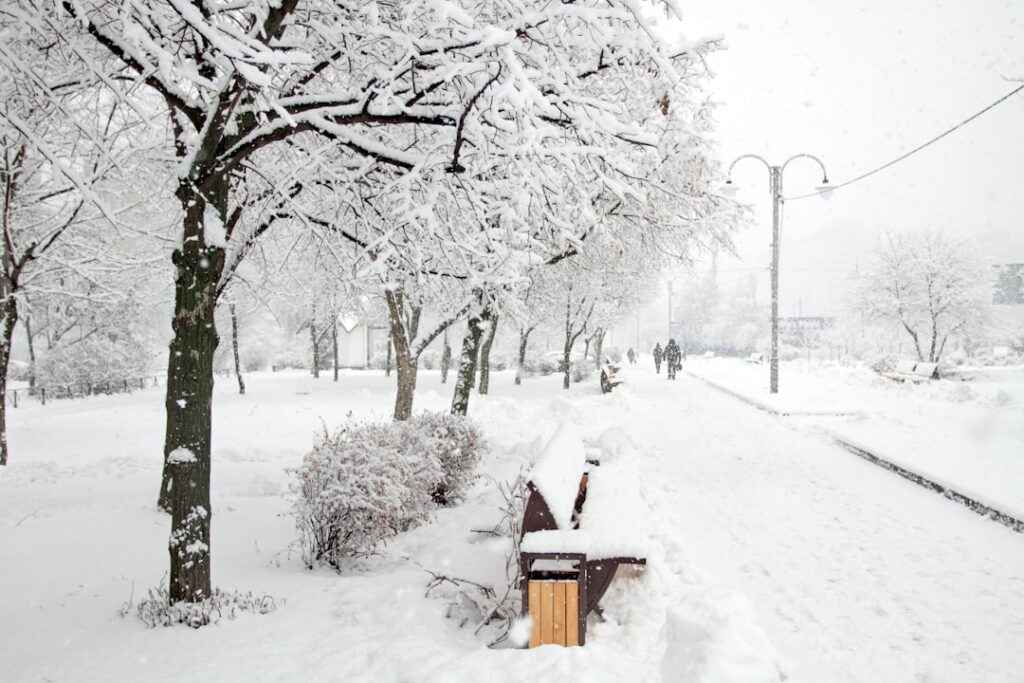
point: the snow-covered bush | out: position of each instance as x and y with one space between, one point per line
457 444
359 486
99 363
539 366
367 482
580 369
883 364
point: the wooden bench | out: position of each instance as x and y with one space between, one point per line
609 373
913 371
581 522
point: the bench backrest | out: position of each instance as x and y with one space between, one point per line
555 481
906 367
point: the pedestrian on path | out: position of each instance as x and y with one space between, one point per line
672 356
657 353
631 354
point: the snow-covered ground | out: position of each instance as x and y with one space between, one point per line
772 551
967 434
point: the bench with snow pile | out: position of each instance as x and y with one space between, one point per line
913 371
583 519
610 377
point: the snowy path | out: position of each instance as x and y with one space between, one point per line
856 574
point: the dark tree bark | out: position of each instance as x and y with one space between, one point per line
405 363
9 311
571 335
316 348
485 356
334 347
446 359
234 348
524 337
186 487
464 380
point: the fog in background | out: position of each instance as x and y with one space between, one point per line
857 84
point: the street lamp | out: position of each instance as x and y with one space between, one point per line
775 178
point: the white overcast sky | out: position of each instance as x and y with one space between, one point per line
857 83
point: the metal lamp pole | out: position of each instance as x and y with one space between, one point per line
775 179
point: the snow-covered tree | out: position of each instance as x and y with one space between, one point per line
69 155
928 285
490 127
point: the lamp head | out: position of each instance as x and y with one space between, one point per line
729 189
825 189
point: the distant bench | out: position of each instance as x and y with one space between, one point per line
609 377
582 521
913 371
755 357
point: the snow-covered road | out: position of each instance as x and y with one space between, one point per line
855 573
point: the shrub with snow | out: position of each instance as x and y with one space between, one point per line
367 482
457 444
99 363
357 487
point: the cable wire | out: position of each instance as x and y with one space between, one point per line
911 152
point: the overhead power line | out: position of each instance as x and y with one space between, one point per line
913 151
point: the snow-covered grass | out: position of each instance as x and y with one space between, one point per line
769 551
966 433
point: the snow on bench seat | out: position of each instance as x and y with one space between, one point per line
558 471
613 515
556 541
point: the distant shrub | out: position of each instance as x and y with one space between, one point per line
97 364
883 364
367 482
539 366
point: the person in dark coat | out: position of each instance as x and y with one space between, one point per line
631 354
658 354
672 356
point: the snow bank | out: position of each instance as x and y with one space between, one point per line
713 635
557 473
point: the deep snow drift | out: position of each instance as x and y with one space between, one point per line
772 553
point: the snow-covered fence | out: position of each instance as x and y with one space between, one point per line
42 394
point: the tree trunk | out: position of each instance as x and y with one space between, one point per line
404 361
316 349
387 365
446 359
524 336
186 488
9 311
566 362
467 365
598 348
234 348
485 356
334 347
31 355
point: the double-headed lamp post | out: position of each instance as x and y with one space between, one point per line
775 176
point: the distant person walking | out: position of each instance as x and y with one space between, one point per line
631 355
658 355
672 356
